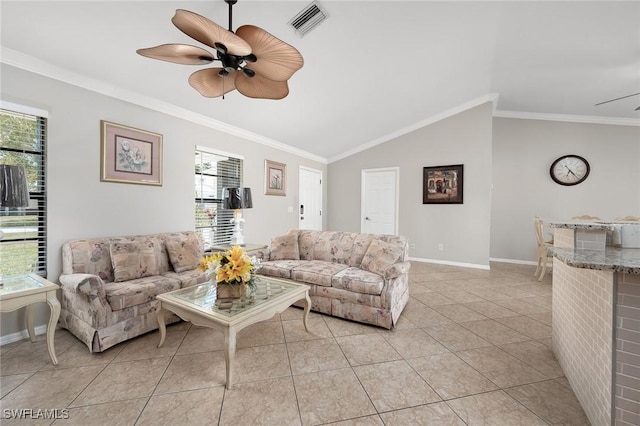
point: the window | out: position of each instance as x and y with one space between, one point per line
215 171
23 248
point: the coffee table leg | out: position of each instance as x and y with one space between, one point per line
229 353
53 303
161 325
307 308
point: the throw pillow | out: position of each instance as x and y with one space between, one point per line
379 256
285 247
184 255
131 260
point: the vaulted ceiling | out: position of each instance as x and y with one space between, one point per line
373 69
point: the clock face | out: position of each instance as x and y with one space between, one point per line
569 170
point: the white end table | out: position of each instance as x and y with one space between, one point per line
26 290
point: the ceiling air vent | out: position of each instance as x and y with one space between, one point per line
309 18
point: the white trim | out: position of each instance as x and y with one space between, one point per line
615 121
514 261
218 152
23 109
37 66
396 194
22 334
491 97
450 263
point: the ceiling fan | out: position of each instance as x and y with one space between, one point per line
253 61
617 99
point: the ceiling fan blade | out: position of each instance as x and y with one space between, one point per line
617 99
178 53
210 83
261 87
208 32
276 60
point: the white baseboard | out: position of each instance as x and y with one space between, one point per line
23 334
516 261
447 262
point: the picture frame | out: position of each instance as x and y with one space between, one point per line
130 155
275 178
443 184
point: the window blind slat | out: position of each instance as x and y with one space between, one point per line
23 142
213 172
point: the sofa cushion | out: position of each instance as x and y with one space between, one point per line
316 272
284 247
121 295
134 259
279 268
380 255
188 278
359 281
185 254
90 256
306 243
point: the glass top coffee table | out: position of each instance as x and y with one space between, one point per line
200 305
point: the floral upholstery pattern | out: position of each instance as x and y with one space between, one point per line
285 247
131 260
379 256
103 312
331 265
184 255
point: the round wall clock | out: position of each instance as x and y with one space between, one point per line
569 170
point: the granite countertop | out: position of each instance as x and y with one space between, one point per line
582 224
625 260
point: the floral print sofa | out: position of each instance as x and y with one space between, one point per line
360 277
109 284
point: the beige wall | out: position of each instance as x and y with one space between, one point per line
79 205
523 151
463 229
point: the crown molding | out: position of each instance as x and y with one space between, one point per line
615 121
25 62
490 97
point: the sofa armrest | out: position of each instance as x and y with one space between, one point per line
87 284
396 270
262 254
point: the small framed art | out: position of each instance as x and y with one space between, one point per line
275 179
443 184
130 155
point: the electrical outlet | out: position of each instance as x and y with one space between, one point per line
441 247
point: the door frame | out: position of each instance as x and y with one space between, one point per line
297 207
396 201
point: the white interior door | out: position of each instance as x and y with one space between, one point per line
379 207
310 196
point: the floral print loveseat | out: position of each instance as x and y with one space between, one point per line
109 284
360 277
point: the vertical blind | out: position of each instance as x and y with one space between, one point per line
23 248
214 172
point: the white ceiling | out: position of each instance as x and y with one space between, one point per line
372 70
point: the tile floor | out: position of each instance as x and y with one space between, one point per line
472 347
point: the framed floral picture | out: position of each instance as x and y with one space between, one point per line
130 155
275 179
442 184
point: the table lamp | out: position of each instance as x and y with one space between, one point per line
238 199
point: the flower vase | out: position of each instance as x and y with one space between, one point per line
231 291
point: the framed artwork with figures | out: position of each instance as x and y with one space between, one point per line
442 184
275 179
130 155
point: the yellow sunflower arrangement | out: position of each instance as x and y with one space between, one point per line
233 266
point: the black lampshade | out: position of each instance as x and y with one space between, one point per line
14 190
238 198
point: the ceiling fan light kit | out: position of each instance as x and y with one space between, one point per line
253 61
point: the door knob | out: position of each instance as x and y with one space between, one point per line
301 217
